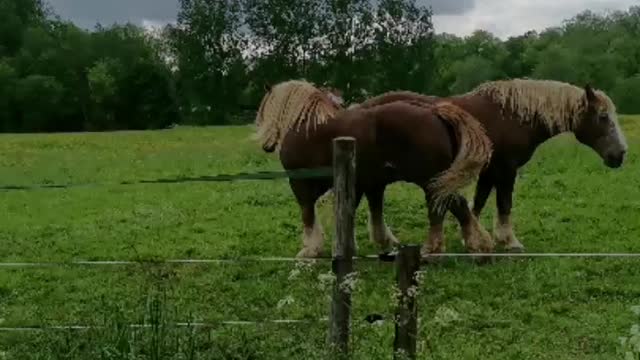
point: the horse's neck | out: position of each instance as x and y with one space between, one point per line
541 133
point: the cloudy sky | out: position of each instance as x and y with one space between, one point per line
461 17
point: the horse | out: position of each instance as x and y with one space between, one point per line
519 115
440 148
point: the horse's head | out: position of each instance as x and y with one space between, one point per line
599 128
269 148
286 106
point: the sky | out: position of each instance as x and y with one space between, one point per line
503 18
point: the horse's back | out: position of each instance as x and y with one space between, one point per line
313 147
412 140
399 95
395 142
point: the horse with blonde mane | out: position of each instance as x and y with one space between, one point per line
519 115
440 148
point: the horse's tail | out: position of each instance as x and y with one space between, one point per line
474 153
288 104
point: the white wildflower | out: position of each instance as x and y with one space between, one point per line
401 354
304 265
623 340
288 300
349 283
325 280
395 296
293 274
445 316
300 266
412 292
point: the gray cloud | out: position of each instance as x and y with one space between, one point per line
514 17
503 18
449 7
86 13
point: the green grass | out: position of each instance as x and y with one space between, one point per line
566 201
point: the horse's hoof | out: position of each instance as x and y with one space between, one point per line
430 259
482 260
374 318
307 253
516 250
389 256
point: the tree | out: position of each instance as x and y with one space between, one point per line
625 95
515 64
471 72
8 83
208 43
404 46
289 30
558 63
212 65
103 81
145 98
348 55
448 50
39 98
15 17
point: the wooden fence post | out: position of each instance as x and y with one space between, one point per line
344 180
407 266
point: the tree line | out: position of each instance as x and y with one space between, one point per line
210 67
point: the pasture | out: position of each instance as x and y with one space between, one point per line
566 200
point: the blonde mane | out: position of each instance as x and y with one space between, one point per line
556 105
289 105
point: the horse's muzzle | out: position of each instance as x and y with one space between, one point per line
614 160
269 149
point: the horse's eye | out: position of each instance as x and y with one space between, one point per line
603 117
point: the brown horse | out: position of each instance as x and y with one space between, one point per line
519 115
440 148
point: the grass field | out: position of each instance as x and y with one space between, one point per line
566 201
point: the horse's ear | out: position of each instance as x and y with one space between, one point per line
591 96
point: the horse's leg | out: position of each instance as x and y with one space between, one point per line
483 189
307 192
503 229
476 238
379 232
435 243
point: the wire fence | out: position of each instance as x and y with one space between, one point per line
304 173
205 325
375 258
340 308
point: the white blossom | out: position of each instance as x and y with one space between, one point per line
287 300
